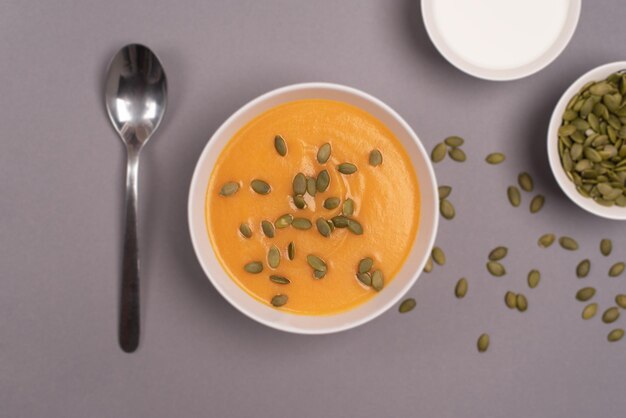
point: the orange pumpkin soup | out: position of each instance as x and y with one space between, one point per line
306 195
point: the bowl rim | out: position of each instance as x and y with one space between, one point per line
566 185
507 74
430 182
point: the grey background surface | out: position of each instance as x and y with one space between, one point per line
61 178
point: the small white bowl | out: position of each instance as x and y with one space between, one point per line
597 74
393 291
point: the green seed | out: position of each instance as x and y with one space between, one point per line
567 130
311 186
439 152
460 290
496 269
332 203
446 209
254 267
299 184
620 300
245 230
322 227
439 256
301 223
428 267
316 262
537 203
521 302
291 250
616 269
348 207
444 192
568 243
376 158
280 279
260 186
610 315
299 202
365 265
589 311
602 88
407 305
319 274
346 168
323 180
483 343
495 158
583 268
510 300
498 253
364 278
355 227
323 154
330 225
280 145
615 335
340 221
268 229
546 240
279 300
377 280
457 154
273 257
525 182
284 221
229 189
585 294
514 196
533 278
454 141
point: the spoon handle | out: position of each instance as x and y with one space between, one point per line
129 308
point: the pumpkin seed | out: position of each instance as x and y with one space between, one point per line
347 168
446 209
483 343
585 294
510 300
567 130
268 229
460 290
521 302
546 240
365 265
279 279
454 141
291 250
444 192
615 335
299 184
316 262
515 198
568 243
533 278
245 230
340 221
602 88
498 253
537 203
229 189
332 203
322 227
273 257
348 207
299 202
525 182
616 269
301 223
284 221
376 158
279 300
364 278
620 300
496 269
260 186
610 315
311 186
428 267
496 157
323 154
439 152
254 267
377 280
323 180
280 145
589 311
319 274
439 256
582 269
355 227
407 305
457 154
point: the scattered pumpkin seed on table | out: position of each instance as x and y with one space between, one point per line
496 269
616 269
483 343
323 154
515 198
620 300
428 267
457 154
268 229
438 153
610 315
615 335
606 246
376 158
279 300
525 182
498 253
510 300
444 192
407 305
589 311
229 189
438 256
583 268
454 141
534 276
495 158
537 203
521 302
460 290
447 209
280 145
260 186
568 243
546 240
585 294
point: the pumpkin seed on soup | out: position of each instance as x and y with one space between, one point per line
525 182
291 250
323 154
589 311
284 221
245 230
454 141
377 280
268 229
332 203
299 184
316 262
273 257
606 246
322 227
229 189
311 186
301 223
279 279
546 240
438 153
322 182
483 343
355 227
299 202
280 145
260 186
279 300
376 158
495 158
347 168
348 207
253 267
498 253
515 198
365 278
319 274
407 305
365 265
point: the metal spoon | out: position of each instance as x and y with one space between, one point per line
136 98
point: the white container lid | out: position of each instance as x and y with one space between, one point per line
500 39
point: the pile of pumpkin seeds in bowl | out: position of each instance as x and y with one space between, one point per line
592 140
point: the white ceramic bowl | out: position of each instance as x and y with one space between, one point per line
393 291
597 74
